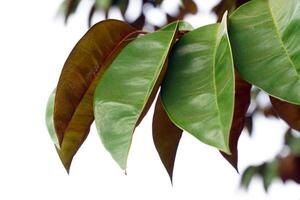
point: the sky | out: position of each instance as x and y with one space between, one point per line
34 44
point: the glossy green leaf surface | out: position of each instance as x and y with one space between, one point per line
198 89
73 107
124 90
49 119
265 37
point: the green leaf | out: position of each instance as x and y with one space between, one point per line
265 35
292 141
103 4
166 137
247 176
198 90
69 7
49 119
73 108
241 104
270 173
126 90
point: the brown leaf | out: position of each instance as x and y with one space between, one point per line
73 108
190 6
288 112
139 23
166 137
227 5
269 111
241 104
249 124
289 168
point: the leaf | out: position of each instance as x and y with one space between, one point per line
122 4
270 173
288 112
241 104
247 176
139 22
122 96
166 137
198 89
49 119
293 142
222 7
273 66
288 168
69 7
103 4
249 124
91 14
73 108
190 6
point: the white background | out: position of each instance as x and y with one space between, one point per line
34 44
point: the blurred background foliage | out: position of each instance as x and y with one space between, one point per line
285 166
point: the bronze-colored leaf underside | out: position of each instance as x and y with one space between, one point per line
166 137
241 104
73 108
288 112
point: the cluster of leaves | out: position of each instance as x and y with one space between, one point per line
285 166
68 7
115 71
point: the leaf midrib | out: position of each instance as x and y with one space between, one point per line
115 49
278 35
214 82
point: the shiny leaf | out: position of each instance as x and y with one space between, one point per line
73 108
166 135
198 90
265 35
125 89
241 104
288 112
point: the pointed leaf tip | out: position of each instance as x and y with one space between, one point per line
198 92
128 88
73 104
166 137
241 105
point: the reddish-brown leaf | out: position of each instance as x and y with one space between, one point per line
289 168
288 112
166 137
227 5
139 23
73 108
241 104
